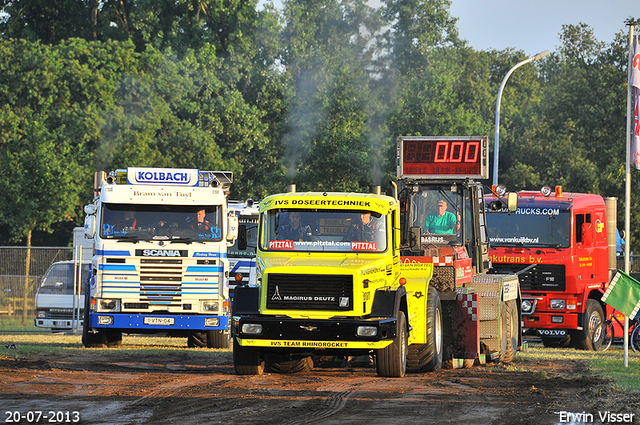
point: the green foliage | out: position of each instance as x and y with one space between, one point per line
52 98
313 94
574 135
327 54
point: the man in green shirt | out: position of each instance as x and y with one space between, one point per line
442 221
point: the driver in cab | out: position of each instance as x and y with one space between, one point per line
441 221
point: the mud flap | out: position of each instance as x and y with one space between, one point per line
466 341
387 303
246 300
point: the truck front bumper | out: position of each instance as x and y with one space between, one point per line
129 322
284 332
550 320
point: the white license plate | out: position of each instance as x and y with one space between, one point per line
163 321
59 323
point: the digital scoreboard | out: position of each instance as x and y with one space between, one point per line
426 157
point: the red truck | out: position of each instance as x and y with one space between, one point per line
563 246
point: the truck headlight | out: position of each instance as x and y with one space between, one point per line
209 305
41 314
251 328
105 320
106 304
367 331
556 304
526 306
212 321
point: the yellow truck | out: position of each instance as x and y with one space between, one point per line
352 274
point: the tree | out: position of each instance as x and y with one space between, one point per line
575 136
52 101
45 21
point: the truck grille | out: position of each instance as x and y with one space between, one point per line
542 277
161 281
61 313
309 292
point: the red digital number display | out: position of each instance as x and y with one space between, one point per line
438 157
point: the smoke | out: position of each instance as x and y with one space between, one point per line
302 122
358 49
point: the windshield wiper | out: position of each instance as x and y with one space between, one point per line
516 244
182 240
135 239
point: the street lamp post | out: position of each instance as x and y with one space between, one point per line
504 81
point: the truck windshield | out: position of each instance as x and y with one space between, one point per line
323 230
438 213
531 226
59 279
161 222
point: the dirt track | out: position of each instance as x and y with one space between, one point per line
199 387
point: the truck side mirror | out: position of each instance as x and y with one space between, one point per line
90 226
90 221
232 226
90 209
414 238
242 237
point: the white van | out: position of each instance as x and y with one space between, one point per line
60 298
56 306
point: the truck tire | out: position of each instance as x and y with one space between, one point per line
279 363
114 338
510 328
197 340
247 361
218 339
591 335
428 357
391 361
556 342
209 339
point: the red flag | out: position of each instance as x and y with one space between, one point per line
634 80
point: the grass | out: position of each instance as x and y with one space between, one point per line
608 364
14 322
39 346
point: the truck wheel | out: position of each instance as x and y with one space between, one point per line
197 340
591 335
209 339
285 364
113 338
428 357
391 361
247 361
509 332
218 339
556 342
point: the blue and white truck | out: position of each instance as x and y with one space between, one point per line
160 256
242 255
